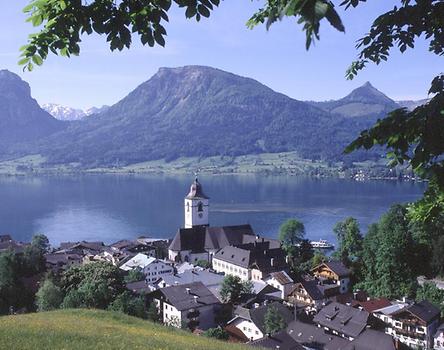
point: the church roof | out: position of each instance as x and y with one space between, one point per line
196 191
201 238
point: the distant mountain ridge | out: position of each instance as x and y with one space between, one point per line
198 111
21 118
68 113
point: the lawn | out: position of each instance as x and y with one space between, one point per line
93 329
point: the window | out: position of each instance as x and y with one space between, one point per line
200 207
188 207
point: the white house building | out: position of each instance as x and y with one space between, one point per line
187 306
282 281
153 268
251 261
439 338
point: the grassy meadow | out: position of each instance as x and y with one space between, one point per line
94 329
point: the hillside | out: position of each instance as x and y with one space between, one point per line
21 118
191 112
92 329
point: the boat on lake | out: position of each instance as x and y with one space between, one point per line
322 244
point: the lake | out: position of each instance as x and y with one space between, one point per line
113 207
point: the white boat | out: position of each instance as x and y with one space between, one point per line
322 244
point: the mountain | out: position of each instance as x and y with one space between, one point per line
412 104
198 111
21 118
364 101
67 113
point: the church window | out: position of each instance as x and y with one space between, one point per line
188 207
199 207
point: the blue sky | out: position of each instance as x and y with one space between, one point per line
276 58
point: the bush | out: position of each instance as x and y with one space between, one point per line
49 296
218 333
129 304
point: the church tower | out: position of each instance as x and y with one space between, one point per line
196 206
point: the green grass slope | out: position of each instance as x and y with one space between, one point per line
93 329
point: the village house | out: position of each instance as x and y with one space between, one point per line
151 267
342 320
200 241
439 338
252 261
281 340
333 273
58 262
307 294
280 280
9 244
251 322
187 306
414 325
134 247
209 279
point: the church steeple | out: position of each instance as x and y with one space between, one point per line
196 206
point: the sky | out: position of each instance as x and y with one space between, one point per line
276 58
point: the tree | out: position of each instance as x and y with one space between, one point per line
388 256
129 304
273 321
349 239
218 333
34 255
93 285
134 275
430 292
152 313
233 288
49 296
437 263
291 233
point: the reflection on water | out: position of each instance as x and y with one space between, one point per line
110 207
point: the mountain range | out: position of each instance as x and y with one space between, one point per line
184 112
68 113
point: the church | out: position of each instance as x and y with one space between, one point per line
200 241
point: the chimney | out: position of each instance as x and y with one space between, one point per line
263 239
195 298
272 261
188 290
287 259
265 252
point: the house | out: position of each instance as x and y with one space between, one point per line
134 247
140 287
334 273
307 294
371 305
251 261
439 338
9 244
58 262
414 325
153 268
81 248
371 340
280 280
189 305
280 340
251 322
342 320
209 279
312 337
200 241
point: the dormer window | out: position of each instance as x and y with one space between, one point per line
200 207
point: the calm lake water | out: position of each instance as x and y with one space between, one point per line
113 207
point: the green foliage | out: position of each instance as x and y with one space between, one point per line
350 239
34 255
233 288
437 263
389 261
49 296
273 321
93 285
431 293
317 259
129 304
62 23
203 263
152 313
218 333
291 232
134 275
